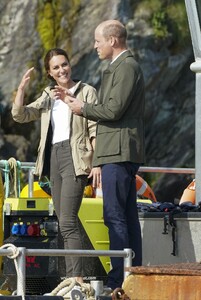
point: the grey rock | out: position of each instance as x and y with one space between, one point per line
170 85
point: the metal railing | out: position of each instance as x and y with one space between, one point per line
21 259
30 166
167 170
127 254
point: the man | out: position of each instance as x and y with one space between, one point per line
120 141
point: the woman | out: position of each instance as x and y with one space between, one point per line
66 147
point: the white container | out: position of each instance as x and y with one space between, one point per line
97 285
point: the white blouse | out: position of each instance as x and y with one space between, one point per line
60 120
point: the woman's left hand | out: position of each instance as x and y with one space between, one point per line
62 93
95 174
67 97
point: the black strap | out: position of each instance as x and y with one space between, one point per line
174 231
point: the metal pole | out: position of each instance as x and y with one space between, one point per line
21 272
6 174
195 30
198 133
128 261
31 182
83 253
167 170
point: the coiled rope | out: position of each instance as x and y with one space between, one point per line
14 255
64 287
68 285
14 175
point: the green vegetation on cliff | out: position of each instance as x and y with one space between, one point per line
55 22
48 23
167 17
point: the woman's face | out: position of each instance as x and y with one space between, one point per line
60 70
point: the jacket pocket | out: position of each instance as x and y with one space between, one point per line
108 143
86 154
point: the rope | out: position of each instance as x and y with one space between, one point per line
88 290
14 255
64 287
69 285
14 249
13 166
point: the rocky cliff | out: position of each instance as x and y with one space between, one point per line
159 37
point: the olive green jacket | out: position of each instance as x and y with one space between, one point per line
119 113
83 129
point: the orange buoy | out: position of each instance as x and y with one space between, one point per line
188 194
89 192
143 189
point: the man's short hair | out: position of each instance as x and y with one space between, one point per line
116 30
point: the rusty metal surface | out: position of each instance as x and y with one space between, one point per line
162 287
190 269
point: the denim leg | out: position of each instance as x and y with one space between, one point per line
120 215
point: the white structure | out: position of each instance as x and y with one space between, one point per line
193 8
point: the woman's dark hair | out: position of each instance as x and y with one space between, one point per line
50 54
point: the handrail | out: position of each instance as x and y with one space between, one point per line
31 167
167 170
127 254
21 259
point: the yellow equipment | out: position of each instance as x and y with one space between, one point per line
1 214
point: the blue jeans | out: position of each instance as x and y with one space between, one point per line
121 215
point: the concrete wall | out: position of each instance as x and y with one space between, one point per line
157 247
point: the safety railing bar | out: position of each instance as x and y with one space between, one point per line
27 165
5 252
22 164
84 253
142 169
23 252
167 170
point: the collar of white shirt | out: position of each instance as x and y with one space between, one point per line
118 56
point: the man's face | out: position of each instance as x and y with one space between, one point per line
102 45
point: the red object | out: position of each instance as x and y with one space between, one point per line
33 230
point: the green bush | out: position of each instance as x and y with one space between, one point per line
166 17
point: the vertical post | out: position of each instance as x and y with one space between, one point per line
128 261
6 174
31 183
198 130
21 272
18 164
193 9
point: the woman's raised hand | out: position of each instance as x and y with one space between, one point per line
25 79
19 98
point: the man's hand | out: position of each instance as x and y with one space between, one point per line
75 105
95 174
